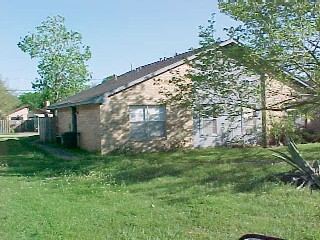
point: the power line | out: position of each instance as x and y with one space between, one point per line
16 90
32 79
30 90
33 90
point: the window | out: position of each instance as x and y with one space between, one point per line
18 117
147 122
208 126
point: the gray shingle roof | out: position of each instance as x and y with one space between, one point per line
98 93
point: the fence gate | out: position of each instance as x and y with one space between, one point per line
47 129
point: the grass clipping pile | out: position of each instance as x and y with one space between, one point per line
303 174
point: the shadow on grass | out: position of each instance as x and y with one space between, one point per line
19 158
170 173
174 179
145 170
244 178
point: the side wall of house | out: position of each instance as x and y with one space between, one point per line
115 118
22 114
88 124
244 129
277 93
64 120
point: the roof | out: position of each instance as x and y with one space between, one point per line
29 107
108 88
18 109
97 94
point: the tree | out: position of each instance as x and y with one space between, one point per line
284 41
280 40
35 99
7 101
62 56
217 82
273 41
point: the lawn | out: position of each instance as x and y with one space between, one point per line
213 193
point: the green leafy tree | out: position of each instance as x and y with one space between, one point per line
282 39
278 41
62 58
7 101
217 81
35 99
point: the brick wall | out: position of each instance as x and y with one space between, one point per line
276 94
115 125
88 123
63 120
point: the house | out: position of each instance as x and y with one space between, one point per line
26 117
26 112
127 112
21 113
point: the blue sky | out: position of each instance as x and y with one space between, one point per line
119 32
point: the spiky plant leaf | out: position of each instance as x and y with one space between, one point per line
297 161
286 158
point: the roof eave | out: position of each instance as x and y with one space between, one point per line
95 100
149 76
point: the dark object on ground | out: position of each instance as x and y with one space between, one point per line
258 237
69 139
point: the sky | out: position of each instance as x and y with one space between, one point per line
120 33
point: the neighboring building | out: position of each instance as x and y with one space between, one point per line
27 113
126 112
21 113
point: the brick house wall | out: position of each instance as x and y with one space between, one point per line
115 125
277 93
64 120
88 124
106 127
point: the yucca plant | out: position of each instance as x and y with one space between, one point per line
309 175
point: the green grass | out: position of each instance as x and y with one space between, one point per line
194 194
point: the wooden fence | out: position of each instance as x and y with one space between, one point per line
5 126
47 129
10 126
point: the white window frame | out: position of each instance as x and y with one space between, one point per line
145 119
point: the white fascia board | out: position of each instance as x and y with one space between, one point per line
227 42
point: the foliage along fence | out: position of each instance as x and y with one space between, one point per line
10 126
47 129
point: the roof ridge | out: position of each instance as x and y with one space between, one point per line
92 95
160 60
